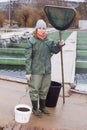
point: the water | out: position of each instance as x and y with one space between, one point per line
81 76
13 71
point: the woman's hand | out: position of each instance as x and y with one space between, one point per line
61 43
28 77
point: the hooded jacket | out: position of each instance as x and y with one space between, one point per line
38 55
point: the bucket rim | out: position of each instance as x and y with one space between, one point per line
23 105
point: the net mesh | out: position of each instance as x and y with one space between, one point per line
60 17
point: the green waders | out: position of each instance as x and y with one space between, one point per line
38 89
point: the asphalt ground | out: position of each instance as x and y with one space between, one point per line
71 115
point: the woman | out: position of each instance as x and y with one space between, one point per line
38 66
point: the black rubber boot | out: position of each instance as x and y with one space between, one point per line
43 106
35 109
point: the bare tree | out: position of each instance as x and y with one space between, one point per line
82 9
24 16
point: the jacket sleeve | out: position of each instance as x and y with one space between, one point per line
28 57
54 47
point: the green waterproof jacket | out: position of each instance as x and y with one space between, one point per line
38 55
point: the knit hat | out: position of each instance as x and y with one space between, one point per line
40 24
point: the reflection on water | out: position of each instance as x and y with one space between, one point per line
13 50
81 76
13 71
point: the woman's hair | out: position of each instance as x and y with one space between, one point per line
35 33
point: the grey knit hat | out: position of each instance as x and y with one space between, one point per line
40 24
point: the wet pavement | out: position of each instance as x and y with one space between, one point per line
69 116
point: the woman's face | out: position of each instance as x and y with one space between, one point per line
41 30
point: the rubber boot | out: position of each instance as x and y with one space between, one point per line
43 106
35 109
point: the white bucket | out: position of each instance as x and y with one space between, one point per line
22 113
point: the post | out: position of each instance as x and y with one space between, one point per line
9 14
62 69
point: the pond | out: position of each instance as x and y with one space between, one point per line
13 71
81 76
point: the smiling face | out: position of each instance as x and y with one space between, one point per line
41 33
41 30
